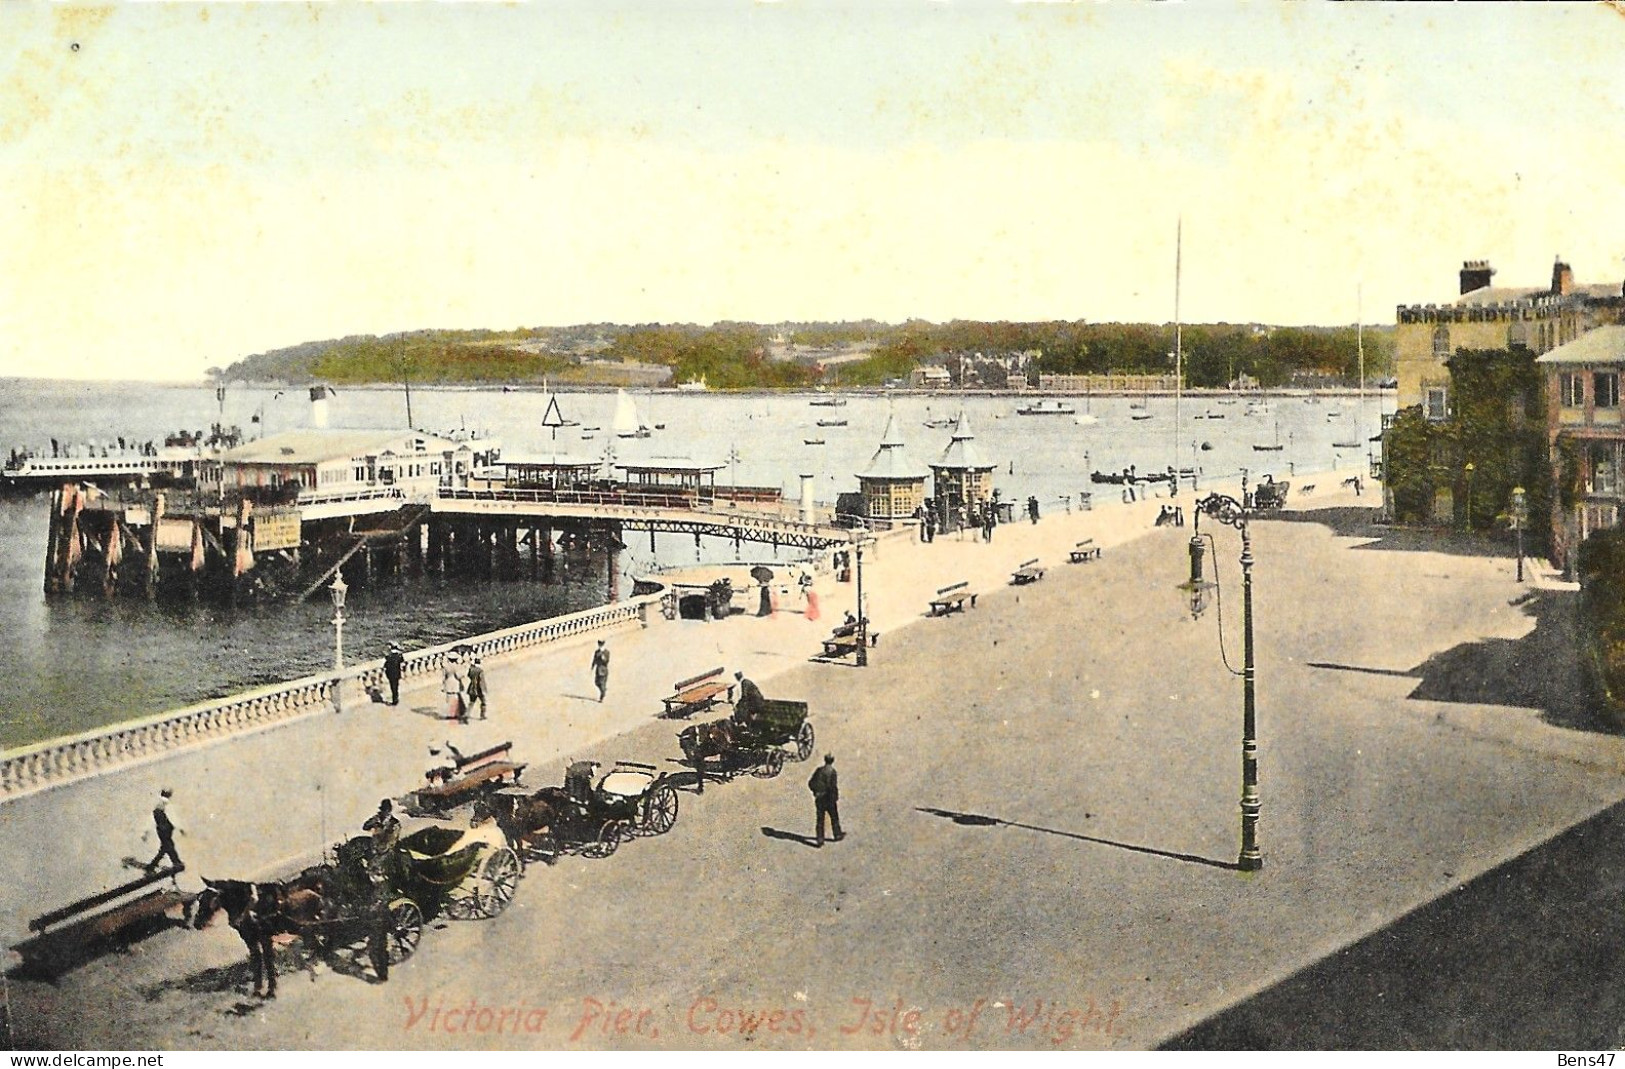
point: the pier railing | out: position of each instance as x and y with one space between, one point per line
58 761
763 520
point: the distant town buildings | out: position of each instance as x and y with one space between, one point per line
1111 382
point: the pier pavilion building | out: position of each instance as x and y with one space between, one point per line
551 471
960 477
320 462
893 485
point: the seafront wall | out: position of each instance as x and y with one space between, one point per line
55 762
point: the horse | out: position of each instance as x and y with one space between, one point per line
706 740
534 820
258 912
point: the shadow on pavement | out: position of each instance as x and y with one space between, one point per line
790 837
1527 956
1354 521
1539 671
979 820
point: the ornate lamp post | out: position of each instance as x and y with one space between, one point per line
1232 513
863 611
337 591
1520 513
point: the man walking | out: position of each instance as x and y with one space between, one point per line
600 669
826 793
476 685
165 824
394 664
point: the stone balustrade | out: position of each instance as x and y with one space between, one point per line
57 761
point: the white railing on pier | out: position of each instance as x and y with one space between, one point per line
329 497
58 761
649 507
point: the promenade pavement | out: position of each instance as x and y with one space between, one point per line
1041 795
263 804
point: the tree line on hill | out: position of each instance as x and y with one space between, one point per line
733 355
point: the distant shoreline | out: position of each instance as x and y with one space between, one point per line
1208 392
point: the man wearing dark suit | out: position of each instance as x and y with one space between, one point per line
826 794
394 663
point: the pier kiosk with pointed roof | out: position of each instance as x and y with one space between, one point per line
960 478
893 485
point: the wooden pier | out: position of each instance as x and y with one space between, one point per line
292 544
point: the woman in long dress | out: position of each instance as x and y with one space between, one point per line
451 685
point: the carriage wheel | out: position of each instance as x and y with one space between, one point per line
405 929
609 837
499 880
659 810
770 765
804 741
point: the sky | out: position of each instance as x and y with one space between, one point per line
183 185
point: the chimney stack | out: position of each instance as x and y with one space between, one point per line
1475 275
1562 278
318 406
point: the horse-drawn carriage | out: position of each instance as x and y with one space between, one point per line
1269 495
752 742
371 898
592 820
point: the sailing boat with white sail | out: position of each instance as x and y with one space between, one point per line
628 422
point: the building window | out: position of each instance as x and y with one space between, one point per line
1438 403
1571 389
1604 470
1441 341
1605 389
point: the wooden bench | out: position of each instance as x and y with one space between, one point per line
468 775
842 641
57 946
1085 550
1029 572
699 693
952 599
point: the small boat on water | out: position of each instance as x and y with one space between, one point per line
827 402
1139 415
629 422
832 423
812 441
1047 408
693 385
1115 478
1277 447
